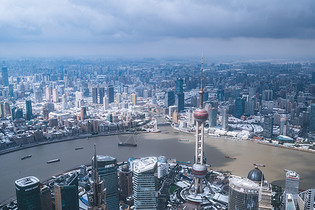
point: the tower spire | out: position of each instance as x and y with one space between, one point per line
201 86
96 178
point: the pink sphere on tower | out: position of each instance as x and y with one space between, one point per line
201 115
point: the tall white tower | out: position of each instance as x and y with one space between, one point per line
198 189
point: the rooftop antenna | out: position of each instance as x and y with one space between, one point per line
95 165
201 88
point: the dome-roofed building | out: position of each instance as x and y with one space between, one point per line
256 175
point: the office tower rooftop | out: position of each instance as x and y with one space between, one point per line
28 193
144 183
243 193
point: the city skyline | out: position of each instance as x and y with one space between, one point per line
256 30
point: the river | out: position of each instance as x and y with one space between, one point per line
170 143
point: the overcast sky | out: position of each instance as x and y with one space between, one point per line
149 28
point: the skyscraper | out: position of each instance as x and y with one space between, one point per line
48 94
125 182
38 96
238 107
110 94
2 114
283 126
94 95
312 118
46 199
28 109
179 86
107 171
180 101
180 96
213 117
19 113
133 98
306 200
105 103
268 126
224 119
169 98
11 90
66 193
83 114
243 194
144 186
5 78
292 182
28 193
55 95
97 196
101 91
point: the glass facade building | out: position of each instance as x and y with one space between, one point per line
28 109
243 194
5 76
169 98
107 171
28 193
145 183
110 93
66 193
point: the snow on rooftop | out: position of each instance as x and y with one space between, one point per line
144 164
243 185
27 181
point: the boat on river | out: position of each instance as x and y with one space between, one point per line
53 161
230 157
129 142
25 157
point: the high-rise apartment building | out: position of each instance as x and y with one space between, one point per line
55 95
133 98
48 94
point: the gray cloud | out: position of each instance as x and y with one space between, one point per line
130 22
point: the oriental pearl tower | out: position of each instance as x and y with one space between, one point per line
199 189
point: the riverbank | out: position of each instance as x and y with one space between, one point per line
17 148
286 147
252 140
